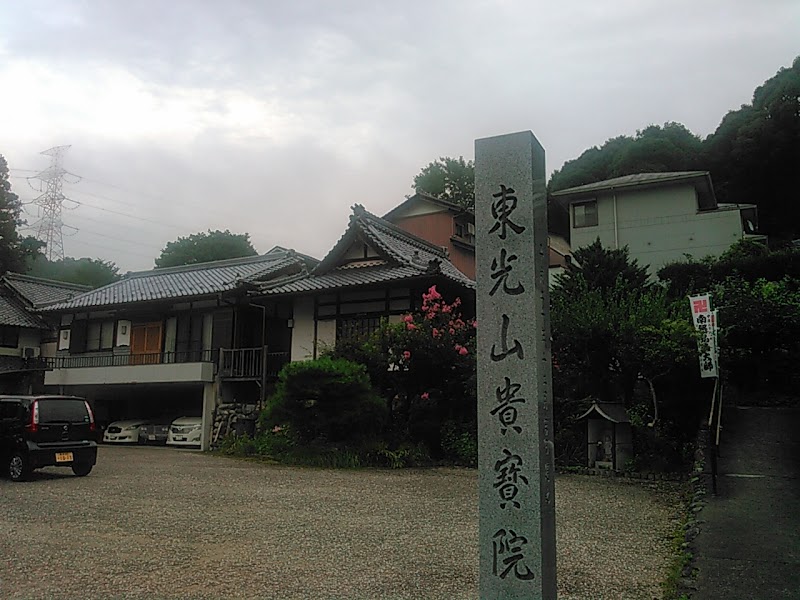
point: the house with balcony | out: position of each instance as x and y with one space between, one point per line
452 227
661 217
174 341
25 337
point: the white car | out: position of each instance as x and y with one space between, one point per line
123 432
185 431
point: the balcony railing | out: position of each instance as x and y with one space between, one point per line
9 364
250 363
126 360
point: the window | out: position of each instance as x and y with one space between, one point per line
99 335
464 230
356 329
9 336
584 214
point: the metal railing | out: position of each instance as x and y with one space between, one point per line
10 364
250 363
126 360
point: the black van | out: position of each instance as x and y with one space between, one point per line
44 431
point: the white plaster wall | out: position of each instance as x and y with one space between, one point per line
326 335
303 331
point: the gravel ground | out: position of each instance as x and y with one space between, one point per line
167 523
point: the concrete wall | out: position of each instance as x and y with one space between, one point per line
660 225
161 373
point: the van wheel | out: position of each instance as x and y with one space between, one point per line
18 467
82 469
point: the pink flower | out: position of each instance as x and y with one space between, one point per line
475 324
446 308
452 331
433 294
408 319
463 351
407 355
458 347
277 429
411 326
425 395
436 333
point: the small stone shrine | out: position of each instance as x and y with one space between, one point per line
609 436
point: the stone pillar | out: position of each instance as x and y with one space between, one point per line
209 405
515 424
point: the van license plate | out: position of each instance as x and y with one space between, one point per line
63 457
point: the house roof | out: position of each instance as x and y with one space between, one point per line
700 179
14 313
426 198
611 411
37 291
401 256
187 281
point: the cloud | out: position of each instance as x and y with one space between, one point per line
273 118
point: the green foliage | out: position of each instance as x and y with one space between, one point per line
460 443
653 149
326 400
754 153
760 332
205 247
451 179
611 331
425 368
14 250
746 259
600 268
84 271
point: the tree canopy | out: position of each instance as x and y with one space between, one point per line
14 249
205 247
671 147
84 271
451 179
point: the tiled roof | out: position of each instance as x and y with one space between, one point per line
186 281
13 313
37 291
403 256
631 180
701 179
421 196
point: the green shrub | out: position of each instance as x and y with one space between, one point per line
460 443
325 401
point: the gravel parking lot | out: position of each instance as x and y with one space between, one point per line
168 523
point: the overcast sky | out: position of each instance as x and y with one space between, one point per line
273 117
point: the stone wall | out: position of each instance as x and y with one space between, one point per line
237 419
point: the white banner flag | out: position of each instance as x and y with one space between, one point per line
705 321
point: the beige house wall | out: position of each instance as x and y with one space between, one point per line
659 226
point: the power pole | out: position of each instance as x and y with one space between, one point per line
50 203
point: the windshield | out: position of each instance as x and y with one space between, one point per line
56 410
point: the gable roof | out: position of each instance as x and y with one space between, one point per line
187 281
36 291
15 314
421 197
611 411
401 256
700 179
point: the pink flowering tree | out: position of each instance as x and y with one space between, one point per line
425 368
